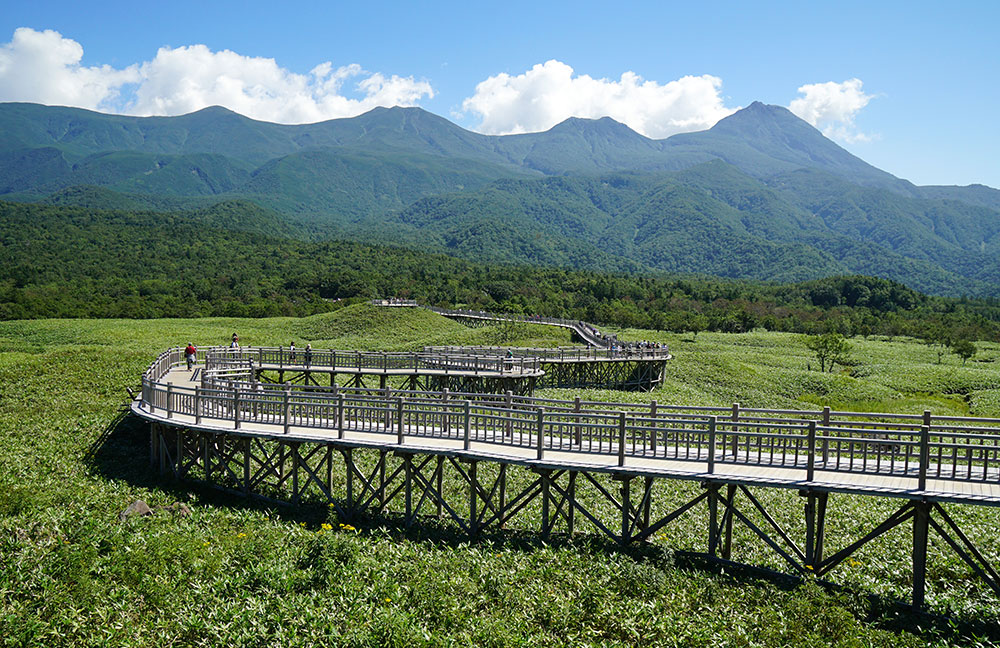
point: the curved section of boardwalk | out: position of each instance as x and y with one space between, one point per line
586 332
279 441
952 458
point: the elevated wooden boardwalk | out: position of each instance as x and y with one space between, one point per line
221 426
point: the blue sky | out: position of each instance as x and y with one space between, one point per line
911 87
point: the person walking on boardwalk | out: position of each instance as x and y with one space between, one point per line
309 354
235 344
191 355
291 351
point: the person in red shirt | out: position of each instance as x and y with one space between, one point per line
191 354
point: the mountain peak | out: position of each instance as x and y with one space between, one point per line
604 126
760 116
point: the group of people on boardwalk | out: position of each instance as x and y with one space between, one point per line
306 355
629 349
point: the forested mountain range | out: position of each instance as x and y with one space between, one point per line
761 195
239 259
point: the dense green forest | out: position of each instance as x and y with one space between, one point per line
234 260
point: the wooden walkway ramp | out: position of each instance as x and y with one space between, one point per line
394 447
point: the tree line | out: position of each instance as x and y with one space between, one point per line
58 261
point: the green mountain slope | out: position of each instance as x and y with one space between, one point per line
760 195
342 185
712 219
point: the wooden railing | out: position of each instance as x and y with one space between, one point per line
220 358
585 331
918 446
560 354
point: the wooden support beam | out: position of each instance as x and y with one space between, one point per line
439 476
921 517
408 481
727 538
544 476
627 513
473 498
246 466
571 495
713 518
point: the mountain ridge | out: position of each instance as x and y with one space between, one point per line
761 194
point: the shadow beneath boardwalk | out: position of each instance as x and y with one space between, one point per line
122 453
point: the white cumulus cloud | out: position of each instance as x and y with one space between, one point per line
44 67
549 93
832 107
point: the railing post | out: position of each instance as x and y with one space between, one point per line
170 401
236 406
197 405
286 408
340 416
712 422
509 402
621 438
399 420
736 438
540 431
578 432
445 419
925 455
811 457
826 442
467 432
652 434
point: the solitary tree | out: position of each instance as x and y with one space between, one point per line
830 348
964 349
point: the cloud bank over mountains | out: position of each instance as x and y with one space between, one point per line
548 93
44 67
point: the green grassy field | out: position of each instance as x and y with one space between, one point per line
237 573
